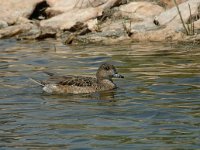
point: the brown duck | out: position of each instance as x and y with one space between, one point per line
81 84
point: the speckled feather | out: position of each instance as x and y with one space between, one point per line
80 81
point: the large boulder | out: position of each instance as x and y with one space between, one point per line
172 16
15 30
76 11
134 16
11 10
169 25
66 21
140 10
61 6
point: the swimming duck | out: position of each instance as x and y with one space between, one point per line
81 84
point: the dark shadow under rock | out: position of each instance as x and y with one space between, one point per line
39 11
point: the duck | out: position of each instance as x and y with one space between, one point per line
81 84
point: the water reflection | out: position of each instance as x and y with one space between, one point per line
92 97
155 107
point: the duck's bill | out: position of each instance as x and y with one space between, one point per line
118 76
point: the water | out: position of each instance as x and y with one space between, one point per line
157 104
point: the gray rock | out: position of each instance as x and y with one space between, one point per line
3 24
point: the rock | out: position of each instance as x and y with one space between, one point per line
171 15
136 18
171 28
140 10
3 24
11 10
31 34
22 20
78 29
105 38
61 6
164 35
170 3
14 30
66 21
197 25
92 25
37 33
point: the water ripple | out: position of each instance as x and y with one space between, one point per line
155 107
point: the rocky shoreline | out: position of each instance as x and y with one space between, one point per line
100 21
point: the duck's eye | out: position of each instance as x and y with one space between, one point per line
107 68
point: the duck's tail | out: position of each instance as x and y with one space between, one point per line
37 82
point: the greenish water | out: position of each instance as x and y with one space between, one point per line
157 104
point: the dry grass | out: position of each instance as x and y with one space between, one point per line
189 29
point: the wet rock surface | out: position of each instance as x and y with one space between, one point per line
96 21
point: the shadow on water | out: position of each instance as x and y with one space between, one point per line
155 107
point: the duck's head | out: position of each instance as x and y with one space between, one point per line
107 71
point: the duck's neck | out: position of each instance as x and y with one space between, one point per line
100 80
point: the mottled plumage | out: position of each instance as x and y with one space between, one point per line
81 84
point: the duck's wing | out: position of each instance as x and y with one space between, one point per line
80 81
